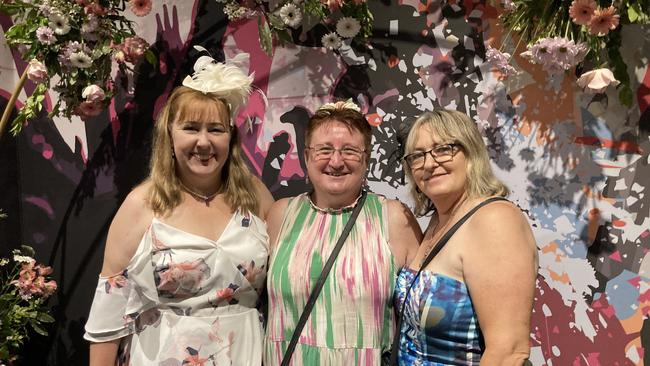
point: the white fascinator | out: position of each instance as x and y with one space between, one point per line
226 80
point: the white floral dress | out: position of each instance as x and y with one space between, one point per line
186 300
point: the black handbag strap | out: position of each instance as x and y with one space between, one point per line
436 249
321 280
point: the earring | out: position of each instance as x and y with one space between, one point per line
306 179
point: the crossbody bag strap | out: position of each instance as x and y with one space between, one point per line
321 280
436 249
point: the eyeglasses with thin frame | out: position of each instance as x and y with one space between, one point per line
440 154
325 152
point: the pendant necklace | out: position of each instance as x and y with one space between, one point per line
205 199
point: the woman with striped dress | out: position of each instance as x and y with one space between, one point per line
352 322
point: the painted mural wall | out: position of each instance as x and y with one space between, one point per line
577 164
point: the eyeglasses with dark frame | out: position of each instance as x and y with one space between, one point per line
348 153
440 154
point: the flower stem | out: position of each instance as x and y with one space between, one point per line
12 100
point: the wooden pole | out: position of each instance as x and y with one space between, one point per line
12 100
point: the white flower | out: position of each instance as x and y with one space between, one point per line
234 11
81 60
291 15
93 93
59 23
3 262
331 41
22 258
596 81
348 27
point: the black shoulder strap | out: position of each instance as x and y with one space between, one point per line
436 249
321 280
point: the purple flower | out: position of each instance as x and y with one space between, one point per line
500 60
556 54
45 35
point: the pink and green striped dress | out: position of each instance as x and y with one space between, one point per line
352 321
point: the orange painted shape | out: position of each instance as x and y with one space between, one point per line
564 278
373 119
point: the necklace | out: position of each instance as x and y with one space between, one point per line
205 199
442 229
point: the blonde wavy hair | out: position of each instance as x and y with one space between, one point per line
455 127
165 191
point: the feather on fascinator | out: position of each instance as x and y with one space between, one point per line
226 80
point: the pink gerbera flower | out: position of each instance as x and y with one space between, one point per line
603 21
581 11
140 7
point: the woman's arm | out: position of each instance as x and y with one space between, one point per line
274 220
404 233
264 197
499 262
124 235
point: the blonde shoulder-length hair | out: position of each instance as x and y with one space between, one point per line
164 192
455 127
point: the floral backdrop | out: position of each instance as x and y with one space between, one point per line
577 162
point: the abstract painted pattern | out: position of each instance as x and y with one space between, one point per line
577 164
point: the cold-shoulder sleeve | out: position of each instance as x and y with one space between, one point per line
108 319
121 298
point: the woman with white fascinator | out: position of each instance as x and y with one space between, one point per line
186 253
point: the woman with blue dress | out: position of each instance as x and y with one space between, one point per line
471 304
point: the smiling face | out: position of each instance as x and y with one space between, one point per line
439 180
338 179
200 137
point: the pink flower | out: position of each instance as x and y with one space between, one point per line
596 81
49 288
603 21
88 109
36 71
140 7
581 11
43 270
93 93
194 360
333 5
225 294
95 8
184 279
133 48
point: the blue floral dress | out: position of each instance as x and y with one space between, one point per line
184 299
